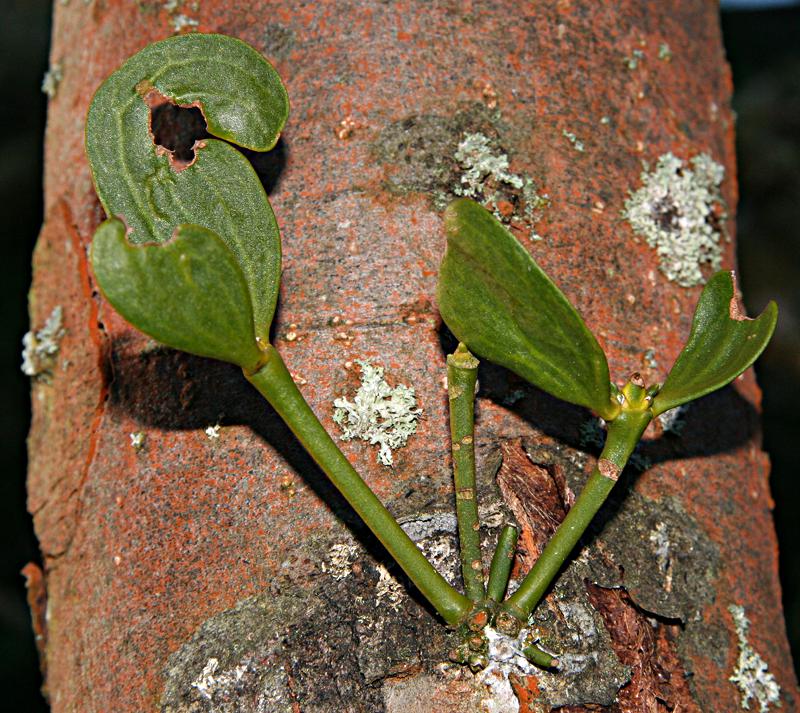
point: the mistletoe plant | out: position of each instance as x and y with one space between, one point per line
191 254
499 302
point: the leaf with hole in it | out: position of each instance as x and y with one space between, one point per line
722 344
244 102
499 302
187 293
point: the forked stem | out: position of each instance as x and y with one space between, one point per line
624 433
462 376
275 383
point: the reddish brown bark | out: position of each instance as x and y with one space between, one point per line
142 547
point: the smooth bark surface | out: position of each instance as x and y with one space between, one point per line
196 573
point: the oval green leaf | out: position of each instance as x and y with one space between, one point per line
188 293
498 301
722 344
244 102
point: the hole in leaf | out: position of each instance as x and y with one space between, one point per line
177 129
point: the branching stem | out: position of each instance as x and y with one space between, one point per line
624 433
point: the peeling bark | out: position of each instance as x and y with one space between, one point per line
188 573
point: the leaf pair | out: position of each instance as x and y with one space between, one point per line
497 301
212 287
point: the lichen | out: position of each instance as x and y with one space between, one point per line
659 537
212 432
632 62
209 681
463 154
674 420
52 78
751 674
41 348
379 414
340 560
505 659
137 440
482 162
279 40
680 211
664 52
388 591
182 22
577 144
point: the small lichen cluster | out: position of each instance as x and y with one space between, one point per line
380 414
210 682
680 211
487 178
674 420
41 348
481 161
577 144
180 21
52 78
751 675
340 560
506 660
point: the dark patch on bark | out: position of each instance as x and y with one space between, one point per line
322 645
418 153
279 41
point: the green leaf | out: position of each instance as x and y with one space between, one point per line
721 345
244 102
497 300
188 293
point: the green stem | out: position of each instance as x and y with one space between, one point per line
541 658
624 433
462 375
275 383
503 558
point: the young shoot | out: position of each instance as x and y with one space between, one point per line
205 281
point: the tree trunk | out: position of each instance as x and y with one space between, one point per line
199 573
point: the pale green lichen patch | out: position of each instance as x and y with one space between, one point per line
680 212
52 78
179 20
380 414
577 144
664 52
487 178
751 674
482 163
632 61
41 348
183 22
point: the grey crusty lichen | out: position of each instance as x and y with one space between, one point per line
41 347
751 674
680 212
